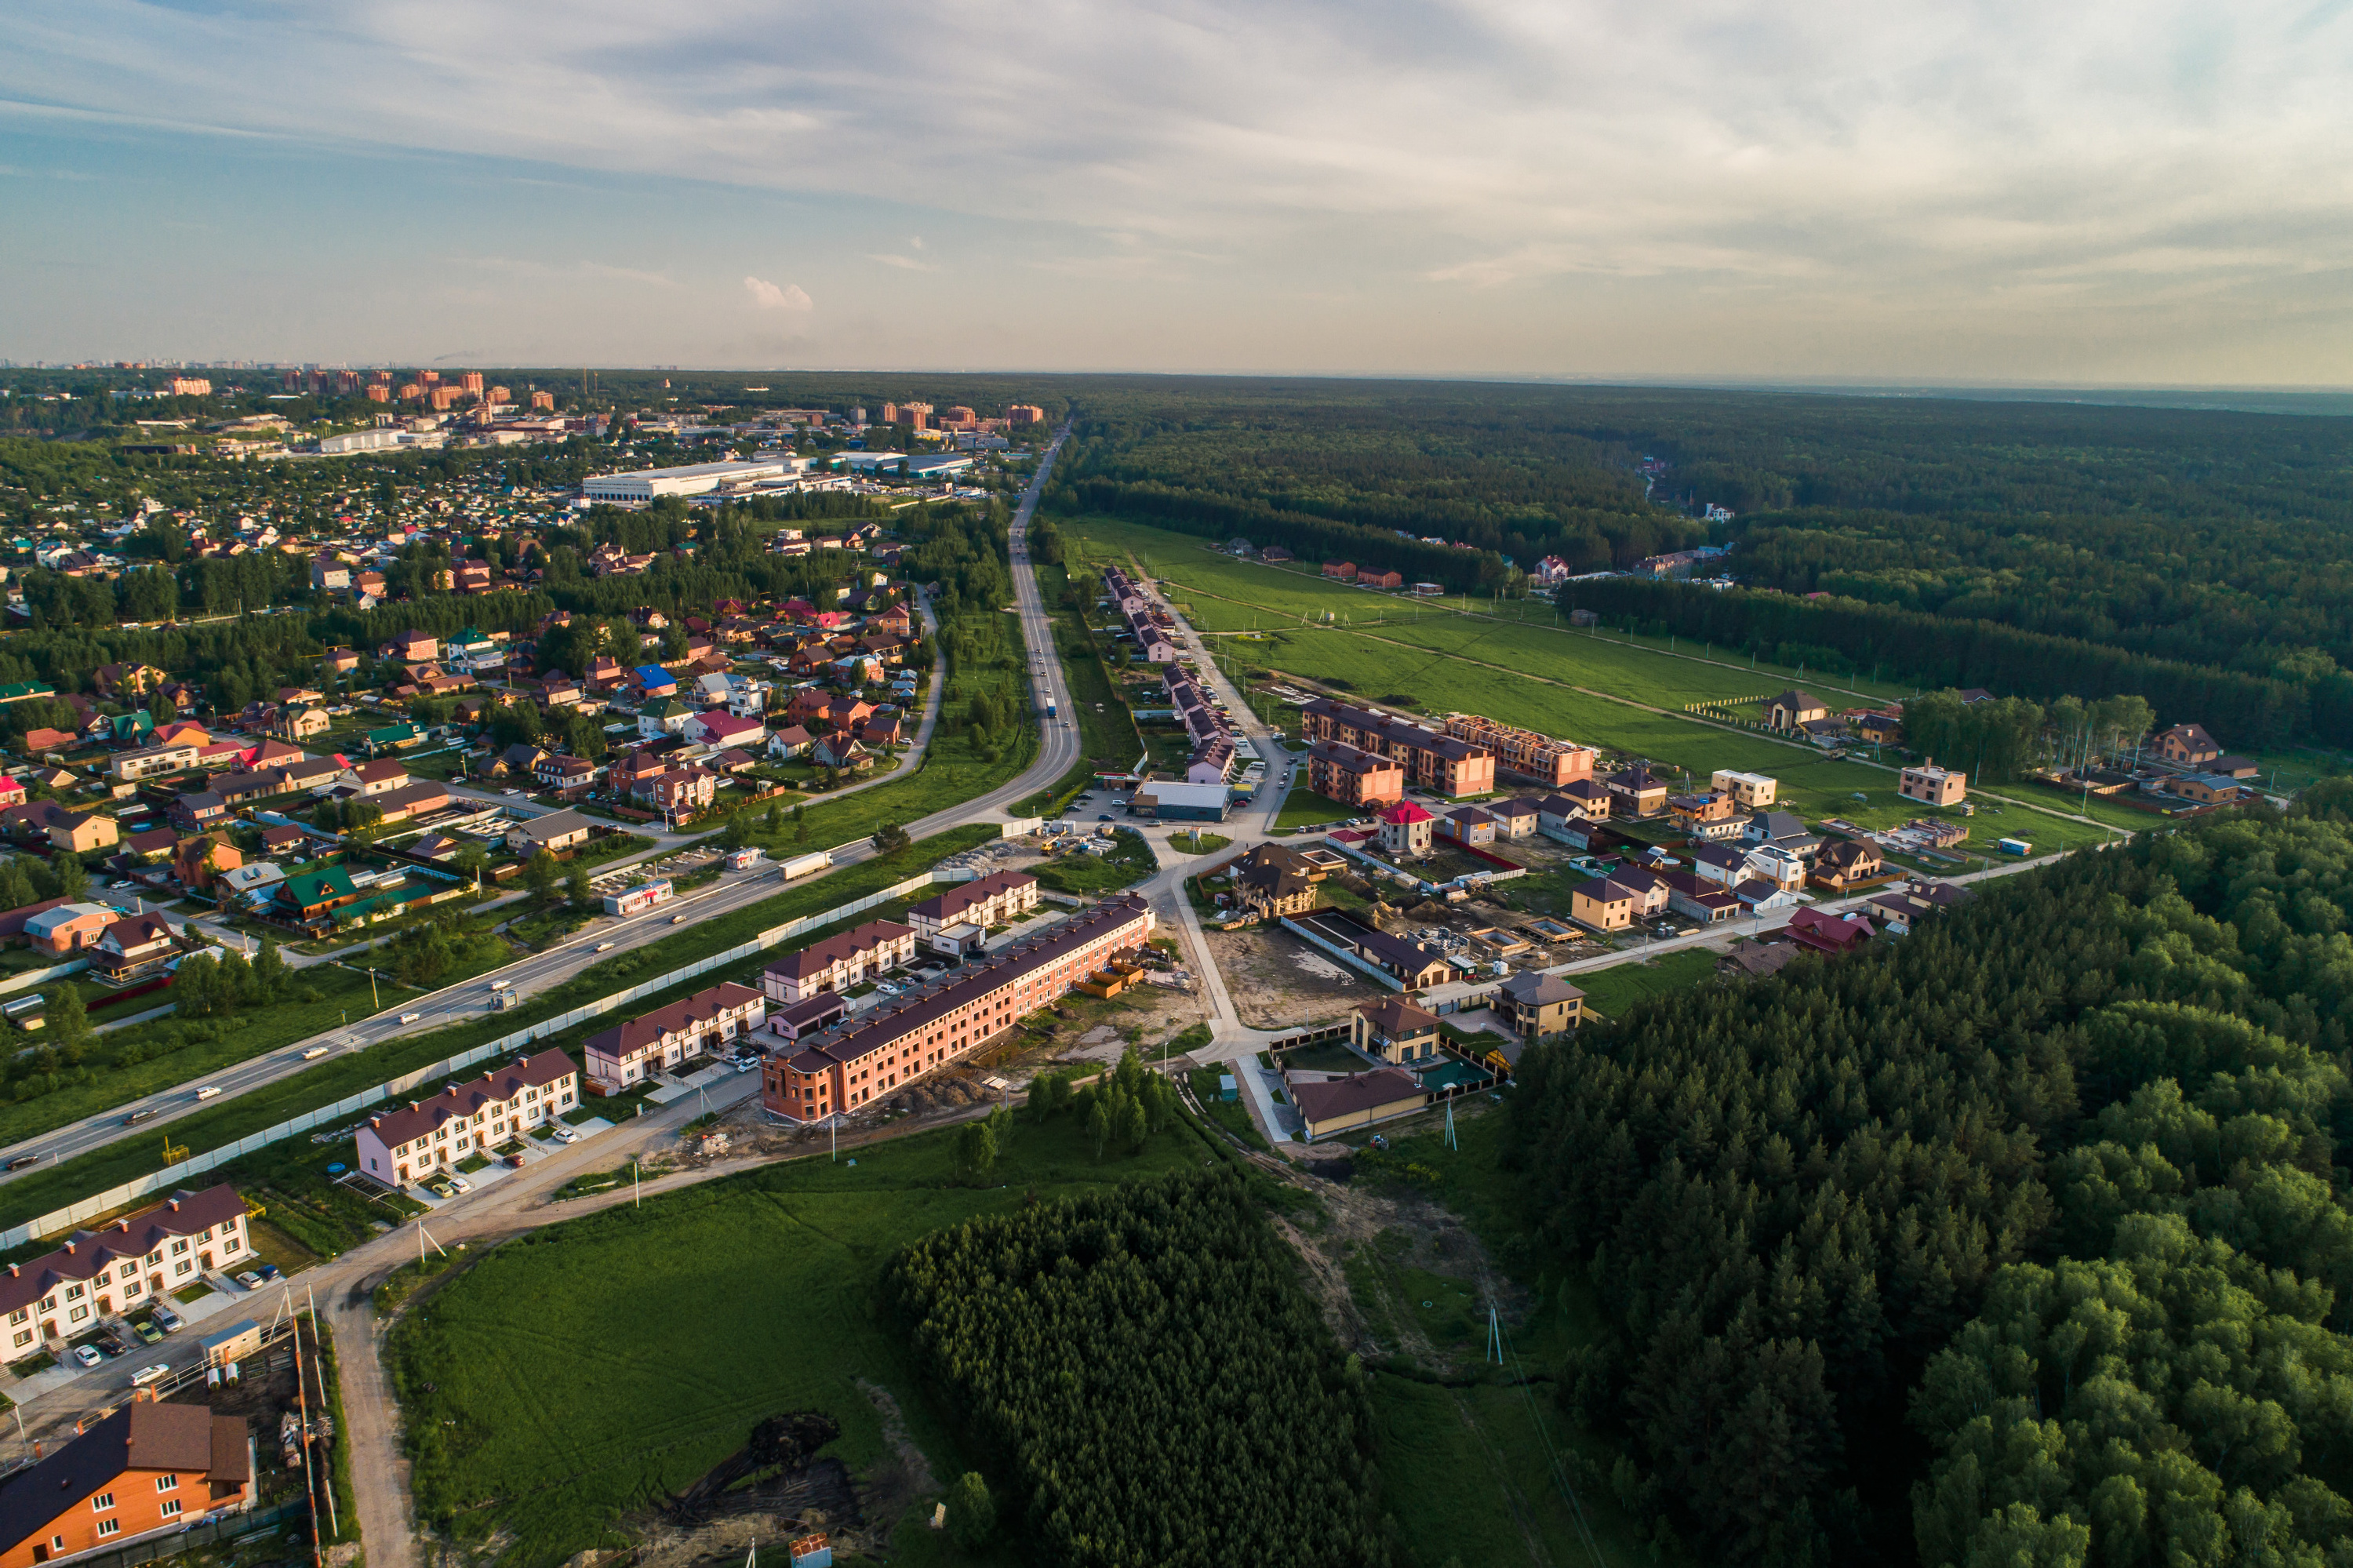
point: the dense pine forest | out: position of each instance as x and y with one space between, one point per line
2024 1239
1155 1386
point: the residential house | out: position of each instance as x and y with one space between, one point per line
1703 814
312 897
1699 898
411 648
1360 1100
1876 726
429 1137
155 762
1843 864
2186 746
681 791
197 861
1272 880
1516 819
1344 571
1782 830
372 778
975 906
1932 784
662 1039
1750 791
1810 927
199 811
120 682
662 716
1724 866
839 962
1393 1030
145 1470
1635 791
718 729
568 777
128 1263
1603 905
1470 825
1405 828
62 928
81 831
298 724
785 744
1579 803
840 752
150 846
1793 709
135 946
1752 960
556 833
1541 1005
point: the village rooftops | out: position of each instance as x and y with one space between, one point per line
145 1436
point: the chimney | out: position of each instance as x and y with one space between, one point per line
174 1202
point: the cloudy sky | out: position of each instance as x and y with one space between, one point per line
2003 191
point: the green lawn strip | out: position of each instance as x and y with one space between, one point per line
1079 873
1305 809
1611 990
1516 1432
523 1429
40 1192
1231 1114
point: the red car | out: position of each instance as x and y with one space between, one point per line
516 1161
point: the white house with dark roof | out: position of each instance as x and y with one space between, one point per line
983 902
423 1136
128 1264
668 1036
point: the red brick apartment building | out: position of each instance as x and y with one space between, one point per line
884 1047
1550 762
133 1261
145 1470
1445 763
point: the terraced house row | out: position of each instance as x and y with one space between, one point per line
429 1136
885 1047
133 1261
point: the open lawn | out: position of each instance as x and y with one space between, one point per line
1231 1114
1079 872
524 1428
1610 991
1303 807
1510 1459
38 1191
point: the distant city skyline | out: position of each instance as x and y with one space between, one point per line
2107 196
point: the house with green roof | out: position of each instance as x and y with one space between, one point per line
394 737
311 897
24 692
662 716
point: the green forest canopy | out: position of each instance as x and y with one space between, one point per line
2025 1238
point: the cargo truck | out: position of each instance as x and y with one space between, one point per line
803 864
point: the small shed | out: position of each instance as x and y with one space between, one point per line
236 1342
1228 1089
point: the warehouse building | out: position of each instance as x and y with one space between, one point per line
645 484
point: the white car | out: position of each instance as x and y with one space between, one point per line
565 1135
250 1280
88 1355
148 1374
457 1183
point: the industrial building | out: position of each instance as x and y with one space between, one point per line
645 484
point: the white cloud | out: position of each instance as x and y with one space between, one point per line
770 297
906 263
1924 160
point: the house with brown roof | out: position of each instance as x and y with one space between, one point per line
839 962
1272 880
667 1036
2187 746
1358 1100
127 1263
1393 1028
1843 864
430 1136
149 1470
971 908
133 945
197 861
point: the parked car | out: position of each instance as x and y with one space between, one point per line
439 1188
148 1333
459 1184
515 1161
87 1356
268 1271
111 1343
249 1279
168 1321
565 1135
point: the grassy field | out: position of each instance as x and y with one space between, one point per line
1303 807
526 1428
38 1191
1610 991
1231 1114
1220 593
1494 1467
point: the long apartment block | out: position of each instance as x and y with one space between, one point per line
1550 762
669 1035
1433 760
410 1144
884 1047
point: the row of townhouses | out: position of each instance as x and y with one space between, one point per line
433 1135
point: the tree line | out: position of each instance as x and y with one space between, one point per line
2023 1239
1147 1378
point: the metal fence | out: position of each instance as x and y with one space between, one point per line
335 1115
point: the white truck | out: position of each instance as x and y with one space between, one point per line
803 864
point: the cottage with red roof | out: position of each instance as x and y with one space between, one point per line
1405 828
129 1262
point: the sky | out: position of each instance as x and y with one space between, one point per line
2014 192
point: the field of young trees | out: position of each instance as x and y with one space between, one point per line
2023 1239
